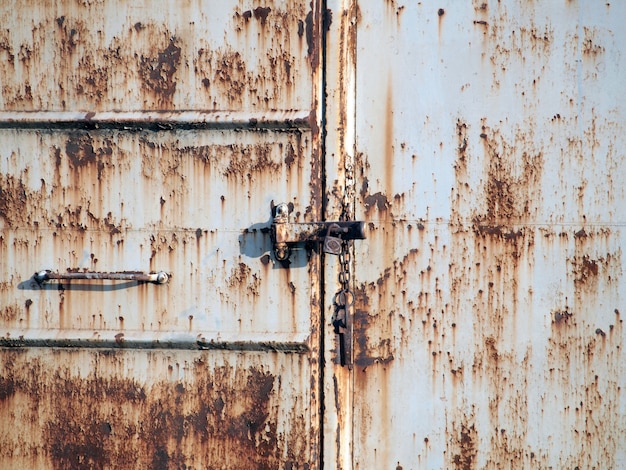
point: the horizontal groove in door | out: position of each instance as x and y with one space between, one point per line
123 340
157 120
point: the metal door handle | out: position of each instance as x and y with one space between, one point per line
158 278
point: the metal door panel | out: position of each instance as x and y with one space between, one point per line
488 330
195 205
145 138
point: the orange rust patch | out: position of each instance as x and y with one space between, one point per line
13 200
464 454
368 352
371 201
224 416
158 72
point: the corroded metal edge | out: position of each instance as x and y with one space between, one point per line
155 120
258 346
136 340
267 346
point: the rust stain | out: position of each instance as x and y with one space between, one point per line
260 13
389 135
73 38
6 47
223 417
247 161
9 314
590 46
85 216
371 201
508 196
377 200
369 351
13 200
309 30
562 317
79 149
8 386
290 155
158 72
440 18
511 189
71 32
585 268
242 277
508 188
490 244
231 74
150 55
81 153
464 447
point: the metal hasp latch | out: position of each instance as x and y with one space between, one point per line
286 234
336 238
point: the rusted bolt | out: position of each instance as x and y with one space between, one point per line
42 276
281 251
282 211
441 12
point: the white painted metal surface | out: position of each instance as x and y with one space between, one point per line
489 327
145 138
482 142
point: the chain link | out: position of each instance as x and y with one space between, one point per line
344 296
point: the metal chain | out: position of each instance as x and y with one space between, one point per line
344 298
345 259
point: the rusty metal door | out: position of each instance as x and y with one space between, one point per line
154 137
490 164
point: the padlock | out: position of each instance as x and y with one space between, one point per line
332 245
